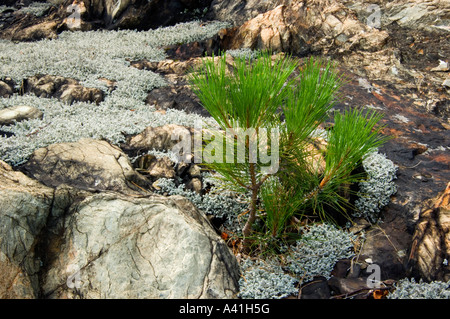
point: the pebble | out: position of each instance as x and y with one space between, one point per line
19 113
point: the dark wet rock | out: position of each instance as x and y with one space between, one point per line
176 97
348 286
316 289
420 150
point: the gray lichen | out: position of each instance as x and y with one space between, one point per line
265 280
245 53
375 192
410 289
318 250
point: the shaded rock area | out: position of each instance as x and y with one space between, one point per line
87 164
6 88
25 206
17 25
20 25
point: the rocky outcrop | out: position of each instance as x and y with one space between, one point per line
368 38
87 164
65 242
238 12
19 25
151 247
65 89
306 27
416 14
25 206
84 15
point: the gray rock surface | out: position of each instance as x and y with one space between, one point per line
149 247
25 205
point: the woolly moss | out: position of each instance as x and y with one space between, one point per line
36 8
318 250
265 280
69 123
88 57
410 289
243 53
376 190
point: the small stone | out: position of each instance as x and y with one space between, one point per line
162 168
317 289
5 89
446 83
194 171
195 185
355 270
442 67
341 268
19 113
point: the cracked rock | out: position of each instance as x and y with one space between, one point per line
25 205
117 246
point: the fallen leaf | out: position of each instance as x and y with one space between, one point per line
224 236
379 294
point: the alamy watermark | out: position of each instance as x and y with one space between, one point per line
374 279
73 21
74 279
234 145
374 19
